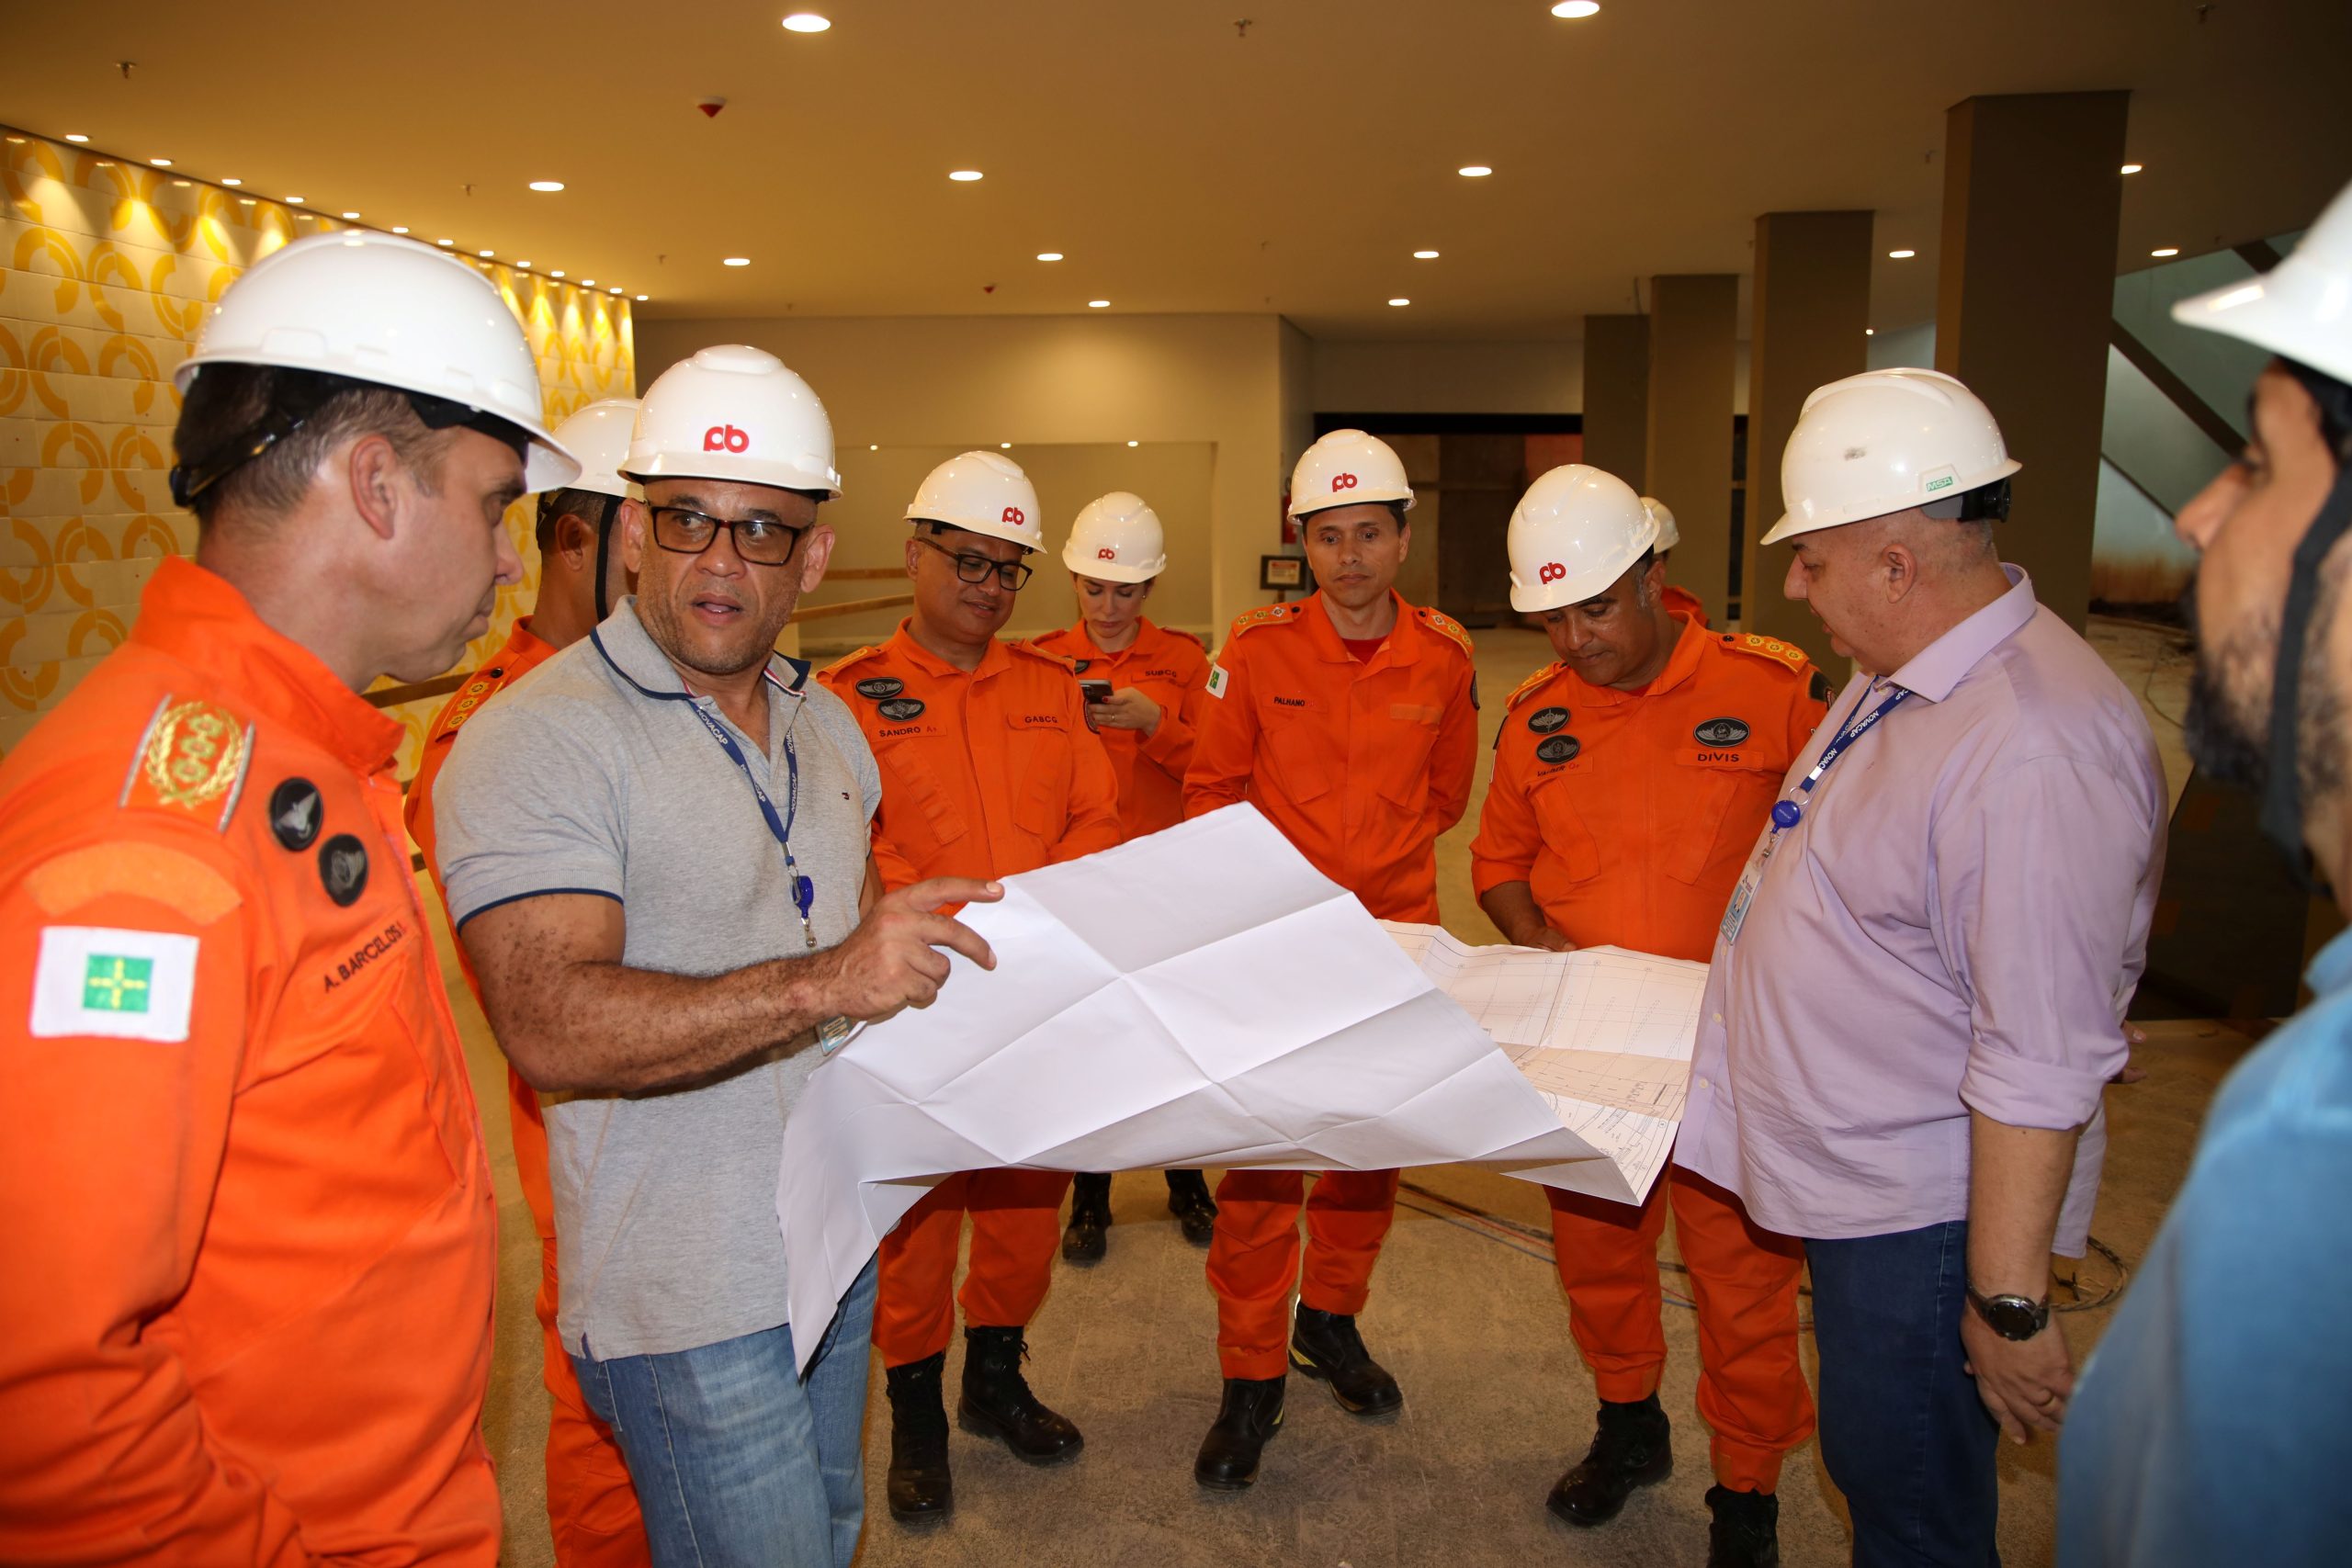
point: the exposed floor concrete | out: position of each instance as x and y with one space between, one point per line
1466 1311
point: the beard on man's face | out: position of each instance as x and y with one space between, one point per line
2227 727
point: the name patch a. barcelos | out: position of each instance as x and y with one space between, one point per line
1542 721
1720 732
896 709
1558 749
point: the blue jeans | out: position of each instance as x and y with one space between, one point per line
738 1462
1903 1433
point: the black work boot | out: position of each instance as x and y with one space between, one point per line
1325 1345
997 1402
920 1488
1252 1412
1189 1201
1746 1531
1630 1449
1090 1216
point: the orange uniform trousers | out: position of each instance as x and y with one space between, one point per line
1254 1260
1744 1279
1016 1225
592 1503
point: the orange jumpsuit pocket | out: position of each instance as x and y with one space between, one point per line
1707 829
1041 781
1405 743
1300 765
921 817
1564 829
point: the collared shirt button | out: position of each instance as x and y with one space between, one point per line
1717 1018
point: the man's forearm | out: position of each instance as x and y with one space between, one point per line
1512 907
2016 1184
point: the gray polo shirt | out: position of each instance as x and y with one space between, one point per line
596 775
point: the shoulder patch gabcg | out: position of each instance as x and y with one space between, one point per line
191 761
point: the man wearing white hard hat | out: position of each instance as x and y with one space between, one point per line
1145 685
1630 779
250 1229
988 768
1678 601
592 1507
1351 721
1917 989
655 853
2209 1426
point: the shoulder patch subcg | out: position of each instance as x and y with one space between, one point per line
1544 721
1558 749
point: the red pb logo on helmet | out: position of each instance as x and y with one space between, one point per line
1015 517
1553 572
1106 553
726 438
1344 482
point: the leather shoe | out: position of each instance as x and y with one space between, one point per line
920 1489
997 1402
1250 1414
1326 1345
1631 1449
1085 1240
1746 1531
1189 1201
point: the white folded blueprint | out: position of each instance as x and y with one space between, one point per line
1200 996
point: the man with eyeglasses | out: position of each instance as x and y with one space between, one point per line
988 768
655 852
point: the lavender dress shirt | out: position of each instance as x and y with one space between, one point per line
1957 923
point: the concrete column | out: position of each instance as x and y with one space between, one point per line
1617 395
1693 319
2025 291
1811 306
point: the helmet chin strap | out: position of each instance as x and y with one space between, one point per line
2282 806
604 555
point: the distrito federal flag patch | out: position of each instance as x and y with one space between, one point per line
123 984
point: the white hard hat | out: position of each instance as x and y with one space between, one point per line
2302 308
1576 531
1117 538
981 493
381 309
599 436
1345 468
1668 535
1883 441
734 412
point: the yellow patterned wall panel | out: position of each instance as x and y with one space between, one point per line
106 269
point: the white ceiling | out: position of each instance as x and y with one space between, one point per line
1180 164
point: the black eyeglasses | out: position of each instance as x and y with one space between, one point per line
1012 574
763 541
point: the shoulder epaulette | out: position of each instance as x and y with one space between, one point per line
467 702
846 660
1768 649
1263 615
190 762
1188 637
1022 645
1532 684
1444 625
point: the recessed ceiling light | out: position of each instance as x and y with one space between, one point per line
399 228
445 243
873 446
523 265
244 201
643 298
1400 300
587 283
233 184
2166 251
558 273
1870 331
616 290
1901 256
161 162
349 214
1474 170
183 184
75 136
805 22
963 176
1573 9
1005 446
1134 443
293 201
486 255
1049 256
547 185
2133 168
1425 255
1098 304
736 260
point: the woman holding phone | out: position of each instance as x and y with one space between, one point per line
1144 686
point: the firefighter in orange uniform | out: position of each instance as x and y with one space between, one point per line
591 1505
246 1212
1350 719
1679 602
1145 685
988 768
1630 781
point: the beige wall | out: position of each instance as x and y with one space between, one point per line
953 383
1448 377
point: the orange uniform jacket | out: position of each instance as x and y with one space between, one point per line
1361 764
1631 812
1172 669
1683 605
984 772
246 1219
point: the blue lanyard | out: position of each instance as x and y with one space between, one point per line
804 891
1787 814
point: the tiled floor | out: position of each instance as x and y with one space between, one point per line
1466 1311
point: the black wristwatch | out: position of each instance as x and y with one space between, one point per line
2011 1317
